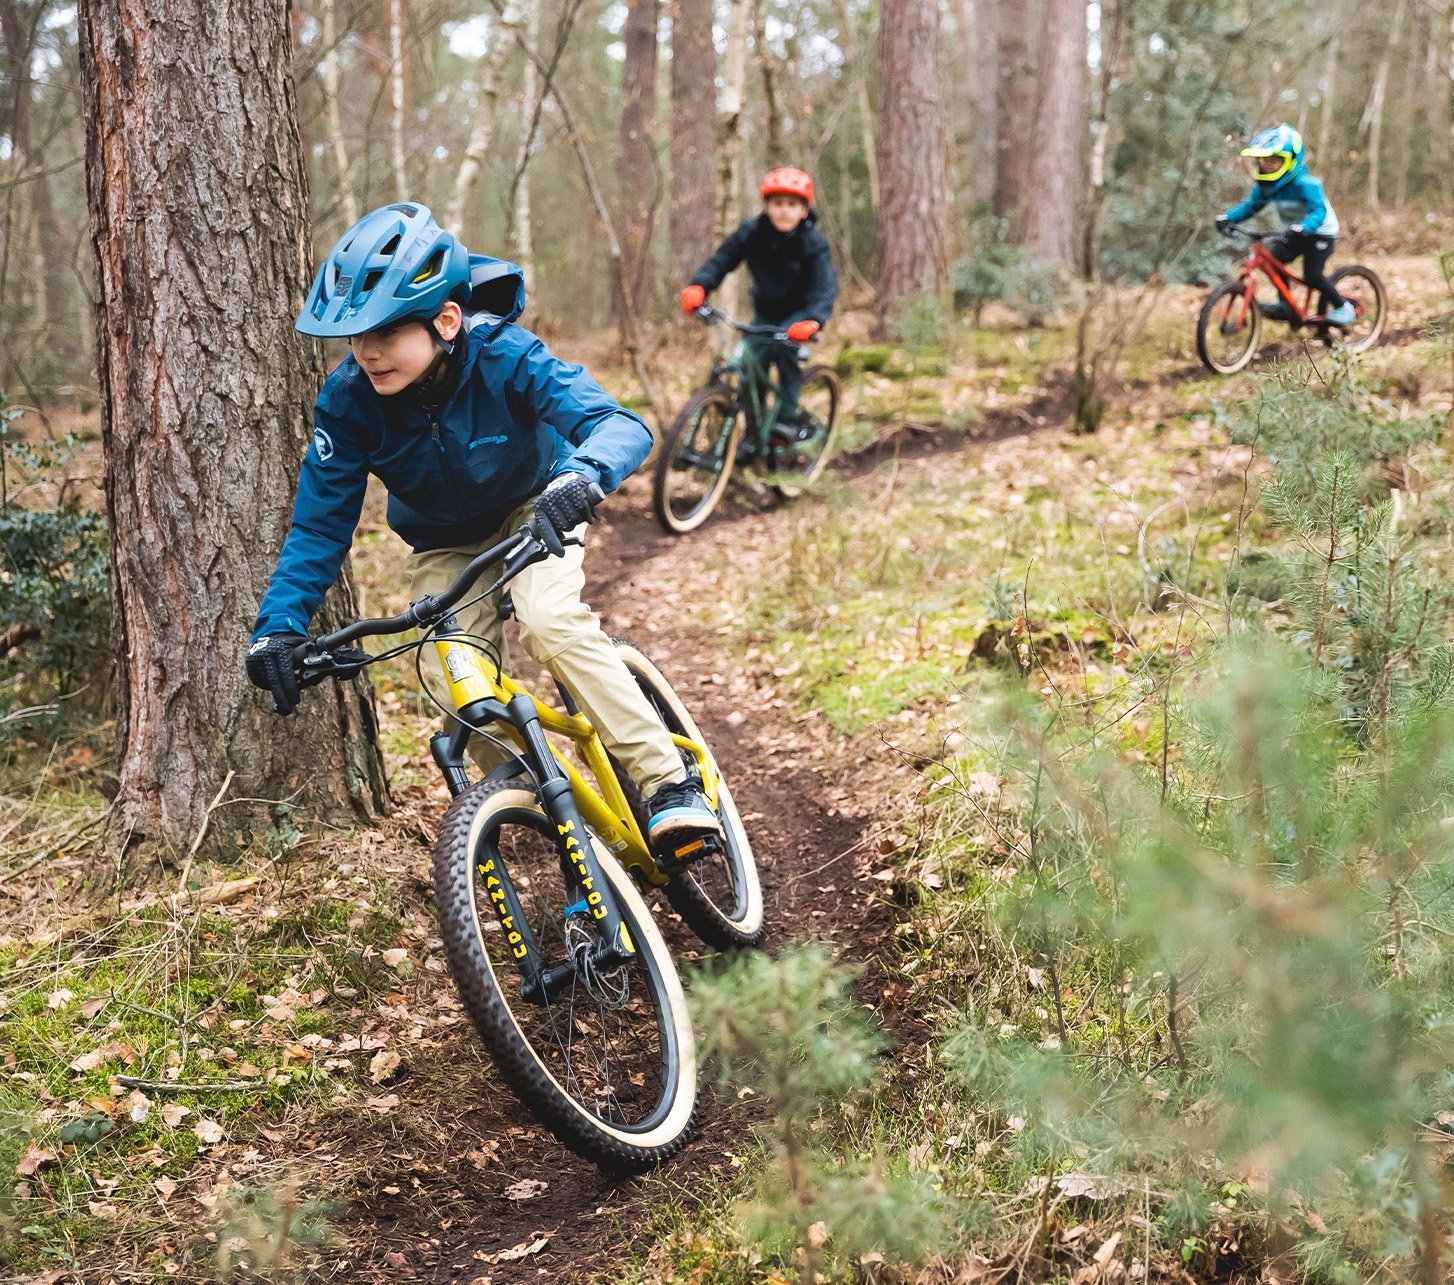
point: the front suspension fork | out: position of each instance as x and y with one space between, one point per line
613 945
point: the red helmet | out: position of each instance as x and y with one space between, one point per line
788 182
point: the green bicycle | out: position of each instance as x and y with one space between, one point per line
539 880
733 420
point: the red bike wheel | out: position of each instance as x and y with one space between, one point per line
1228 328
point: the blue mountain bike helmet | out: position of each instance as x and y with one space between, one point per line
395 264
1282 145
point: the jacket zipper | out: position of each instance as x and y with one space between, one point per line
449 479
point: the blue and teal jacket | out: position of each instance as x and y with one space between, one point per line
1300 200
508 418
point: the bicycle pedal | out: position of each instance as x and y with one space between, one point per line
687 851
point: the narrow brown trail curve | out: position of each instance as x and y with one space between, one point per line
452 1160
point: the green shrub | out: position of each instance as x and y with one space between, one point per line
55 604
998 271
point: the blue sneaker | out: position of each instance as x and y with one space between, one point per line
680 826
1343 315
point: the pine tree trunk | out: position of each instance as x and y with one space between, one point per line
693 136
199 225
912 233
1059 130
638 175
1016 139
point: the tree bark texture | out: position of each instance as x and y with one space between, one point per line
639 176
1019 26
912 236
1059 131
199 211
693 136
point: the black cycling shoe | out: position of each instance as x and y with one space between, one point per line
1276 310
681 826
793 429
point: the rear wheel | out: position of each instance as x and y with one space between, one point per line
797 458
607 1062
1362 288
696 459
719 897
1228 328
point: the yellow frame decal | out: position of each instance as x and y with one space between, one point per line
610 816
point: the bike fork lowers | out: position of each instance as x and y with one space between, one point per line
613 945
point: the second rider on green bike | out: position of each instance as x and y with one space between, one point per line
473 430
793 282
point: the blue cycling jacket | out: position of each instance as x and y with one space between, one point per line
1300 200
509 419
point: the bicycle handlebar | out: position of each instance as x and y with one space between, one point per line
521 549
712 316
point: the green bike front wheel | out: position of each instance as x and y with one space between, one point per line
606 1060
696 459
797 455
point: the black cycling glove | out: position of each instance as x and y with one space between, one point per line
270 667
1224 225
567 502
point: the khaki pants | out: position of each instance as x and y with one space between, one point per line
563 634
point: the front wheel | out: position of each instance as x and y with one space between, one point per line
1362 288
797 456
719 897
1228 328
696 459
605 1057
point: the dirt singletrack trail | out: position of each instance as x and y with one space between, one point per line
442 1176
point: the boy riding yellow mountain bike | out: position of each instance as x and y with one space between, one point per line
474 430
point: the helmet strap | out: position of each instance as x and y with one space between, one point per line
431 383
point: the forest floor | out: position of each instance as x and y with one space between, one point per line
829 650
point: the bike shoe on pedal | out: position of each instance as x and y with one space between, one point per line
1276 310
680 826
793 429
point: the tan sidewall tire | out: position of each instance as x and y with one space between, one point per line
750 926
481 990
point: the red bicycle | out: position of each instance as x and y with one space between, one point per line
1231 320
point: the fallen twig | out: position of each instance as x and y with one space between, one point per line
172 1086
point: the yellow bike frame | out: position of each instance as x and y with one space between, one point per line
471 679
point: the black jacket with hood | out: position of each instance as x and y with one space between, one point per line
792 274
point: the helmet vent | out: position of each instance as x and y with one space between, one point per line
390 245
371 279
